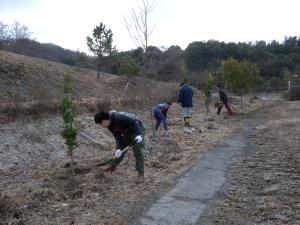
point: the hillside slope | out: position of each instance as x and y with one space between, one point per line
24 78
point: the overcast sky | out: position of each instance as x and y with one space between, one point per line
67 23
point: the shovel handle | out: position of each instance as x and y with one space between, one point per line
90 139
123 151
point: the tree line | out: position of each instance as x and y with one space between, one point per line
267 64
273 60
18 38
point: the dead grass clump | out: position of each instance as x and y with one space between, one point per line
5 203
9 212
43 194
134 102
82 170
93 105
167 94
295 94
99 174
34 109
42 107
9 110
165 151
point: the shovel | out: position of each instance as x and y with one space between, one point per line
82 134
114 157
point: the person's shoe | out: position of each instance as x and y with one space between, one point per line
140 178
192 129
109 168
187 130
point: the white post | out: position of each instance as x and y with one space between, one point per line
289 86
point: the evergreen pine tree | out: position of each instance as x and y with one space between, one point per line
69 133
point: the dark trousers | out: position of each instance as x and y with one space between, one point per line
160 118
137 151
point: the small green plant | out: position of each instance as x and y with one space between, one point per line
287 76
208 91
69 133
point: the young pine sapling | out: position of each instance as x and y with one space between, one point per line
69 133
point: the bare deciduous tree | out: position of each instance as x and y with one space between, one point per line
140 31
3 31
18 32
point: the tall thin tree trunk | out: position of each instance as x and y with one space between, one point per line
140 35
147 91
242 99
125 89
98 70
72 165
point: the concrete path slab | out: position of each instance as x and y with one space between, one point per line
186 202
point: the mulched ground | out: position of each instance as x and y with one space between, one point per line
36 186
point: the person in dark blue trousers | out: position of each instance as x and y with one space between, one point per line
160 113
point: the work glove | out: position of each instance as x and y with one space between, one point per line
118 153
138 139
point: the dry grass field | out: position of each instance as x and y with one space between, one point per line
36 187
